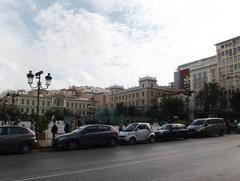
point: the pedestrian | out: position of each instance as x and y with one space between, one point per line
79 123
228 126
54 130
120 128
67 127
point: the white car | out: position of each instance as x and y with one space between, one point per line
137 132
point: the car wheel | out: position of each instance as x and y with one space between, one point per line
221 132
132 141
151 139
25 148
72 145
112 142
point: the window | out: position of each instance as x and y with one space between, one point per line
33 102
142 94
152 93
43 111
103 128
27 110
136 94
32 111
204 74
67 104
16 130
28 102
76 105
199 75
129 96
48 103
3 131
22 110
71 104
142 101
22 101
194 76
43 103
90 129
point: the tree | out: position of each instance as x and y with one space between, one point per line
235 104
172 106
121 109
211 98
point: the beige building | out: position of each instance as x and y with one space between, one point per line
228 56
27 103
203 71
142 97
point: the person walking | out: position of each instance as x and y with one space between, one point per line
120 128
67 127
54 130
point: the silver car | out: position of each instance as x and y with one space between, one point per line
137 132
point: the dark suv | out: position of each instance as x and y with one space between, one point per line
17 139
87 136
207 127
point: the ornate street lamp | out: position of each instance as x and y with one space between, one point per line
38 87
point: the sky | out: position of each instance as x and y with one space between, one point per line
107 42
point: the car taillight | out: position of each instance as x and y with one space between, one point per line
114 130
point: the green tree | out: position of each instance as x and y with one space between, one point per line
211 98
172 106
235 104
121 109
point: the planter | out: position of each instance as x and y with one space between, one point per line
42 136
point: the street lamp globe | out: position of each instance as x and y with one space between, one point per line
48 79
30 77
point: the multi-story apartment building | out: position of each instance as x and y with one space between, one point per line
142 97
228 57
203 71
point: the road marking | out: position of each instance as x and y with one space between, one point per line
123 164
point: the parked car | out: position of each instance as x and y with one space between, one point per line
87 136
237 129
207 127
137 132
17 139
171 131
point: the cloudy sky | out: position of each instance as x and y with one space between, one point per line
106 42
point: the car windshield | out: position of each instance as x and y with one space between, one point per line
165 127
78 130
130 127
198 122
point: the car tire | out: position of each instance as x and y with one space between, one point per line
112 142
152 139
72 145
132 141
25 148
221 132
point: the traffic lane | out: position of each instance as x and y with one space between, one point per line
50 162
206 164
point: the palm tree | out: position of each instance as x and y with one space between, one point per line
211 97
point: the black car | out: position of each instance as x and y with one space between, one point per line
171 131
87 136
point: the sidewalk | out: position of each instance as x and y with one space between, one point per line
44 144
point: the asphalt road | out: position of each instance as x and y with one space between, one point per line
215 158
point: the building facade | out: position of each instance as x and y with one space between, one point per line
27 103
142 97
228 57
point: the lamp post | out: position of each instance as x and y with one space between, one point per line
38 87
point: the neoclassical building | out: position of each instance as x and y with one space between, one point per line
142 96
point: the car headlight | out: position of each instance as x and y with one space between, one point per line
201 129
